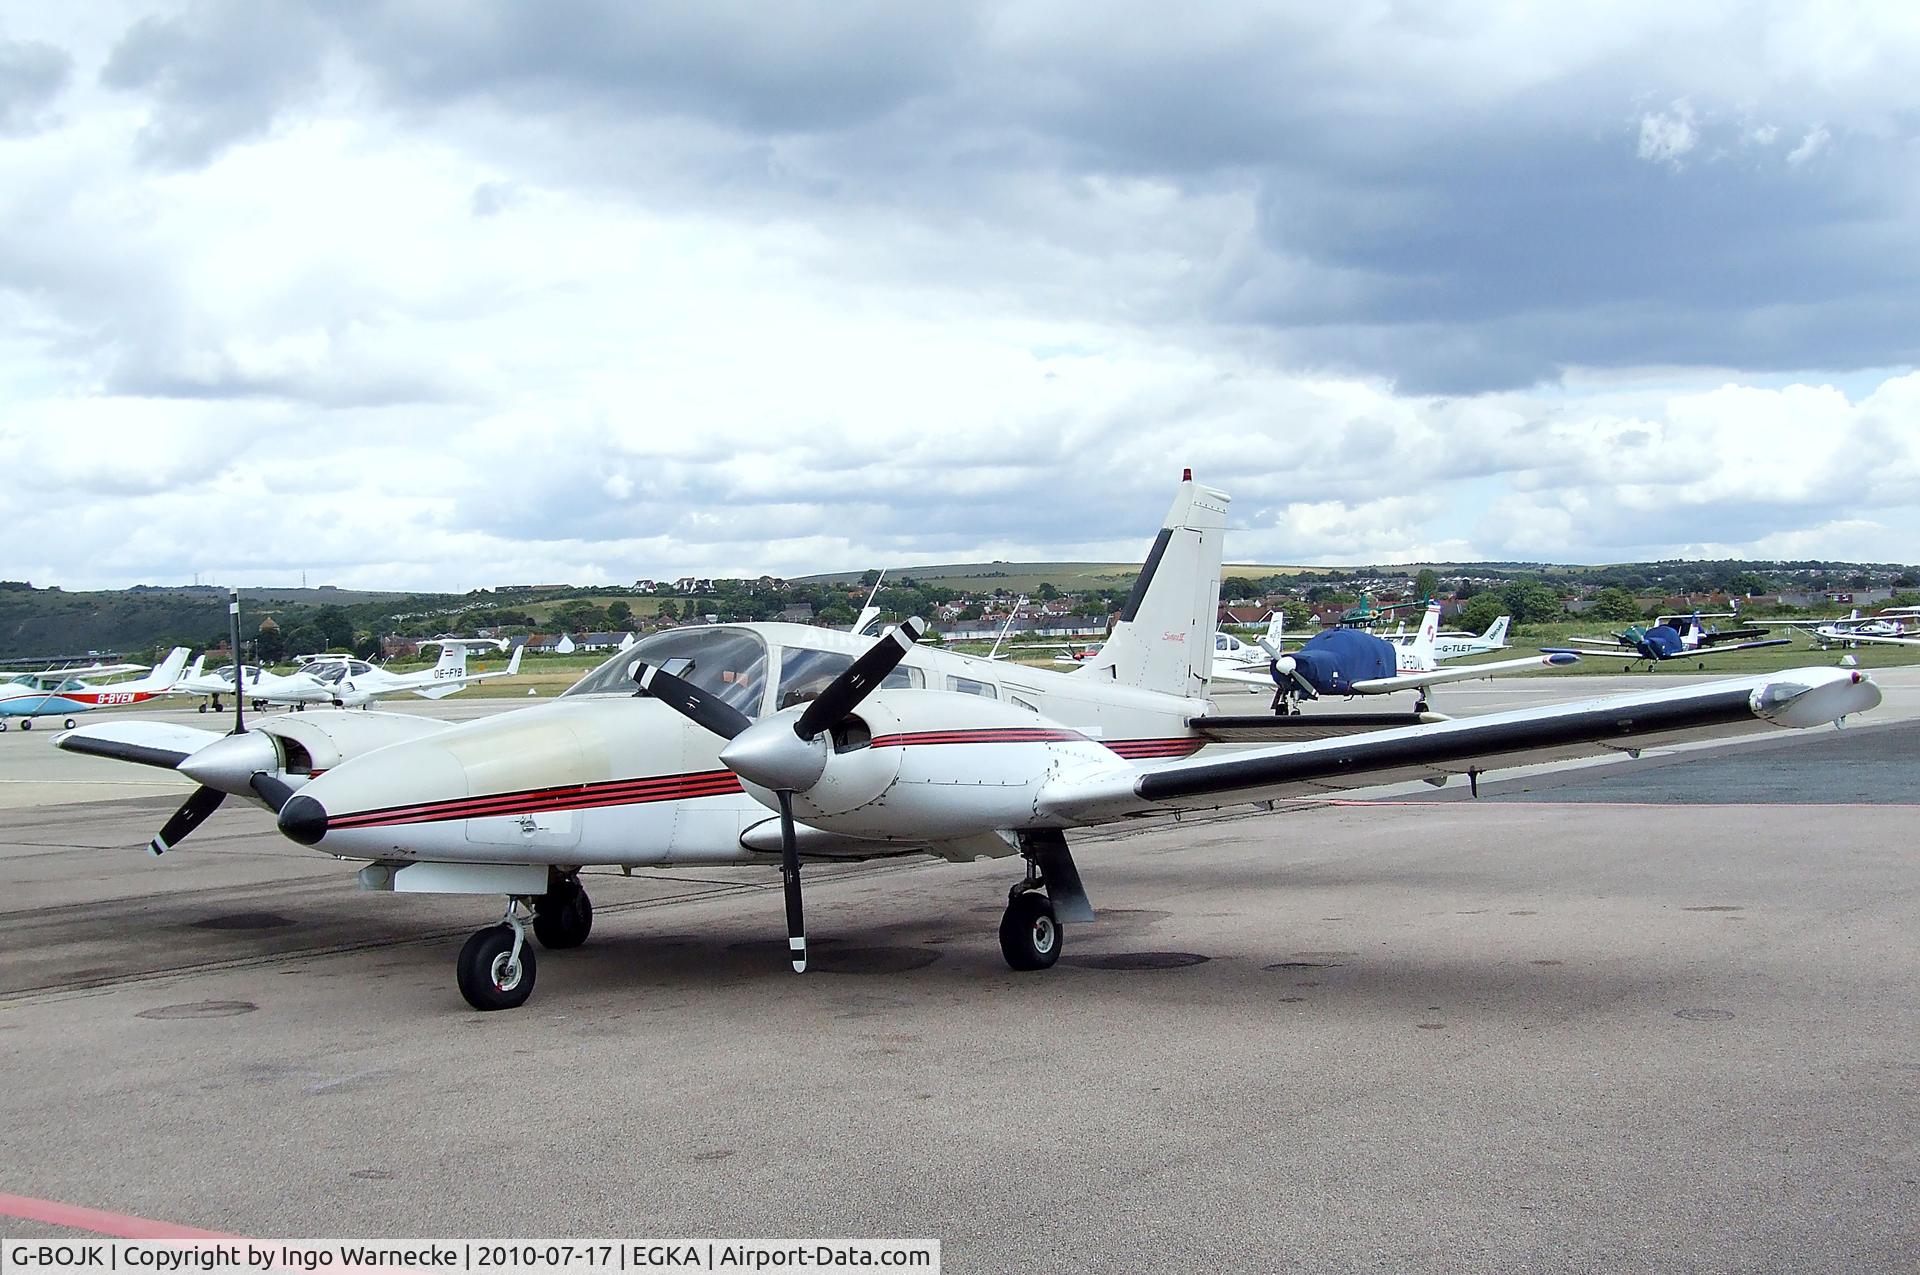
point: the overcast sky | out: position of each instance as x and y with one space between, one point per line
444 295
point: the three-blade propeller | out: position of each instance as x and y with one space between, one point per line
205 799
786 753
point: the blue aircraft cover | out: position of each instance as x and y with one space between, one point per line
1333 661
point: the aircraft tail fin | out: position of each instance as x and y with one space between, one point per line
1276 628
1163 640
1421 648
1496 633
166 675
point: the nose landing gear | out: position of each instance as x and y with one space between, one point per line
496 966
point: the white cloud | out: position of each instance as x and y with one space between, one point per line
445 314
1812 144
1666 138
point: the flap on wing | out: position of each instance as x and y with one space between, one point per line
1268 728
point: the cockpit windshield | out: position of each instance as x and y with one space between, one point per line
728 664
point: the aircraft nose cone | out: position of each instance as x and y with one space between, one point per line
769 754
304 820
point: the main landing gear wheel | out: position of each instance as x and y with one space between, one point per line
563 916
68 723
27 724
1030 933
203 708
491 975
3 728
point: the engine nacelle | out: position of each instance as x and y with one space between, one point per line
916 766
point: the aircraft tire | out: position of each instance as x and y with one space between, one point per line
68 723
563 918
27 724
483 961
1030 934
203 708
3 728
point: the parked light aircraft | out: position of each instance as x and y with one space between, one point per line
1670 641
1350 661
64 694
353 683
783 744
1890 622
1453 646
263 686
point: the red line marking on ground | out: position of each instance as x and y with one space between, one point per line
99 1221
1647 805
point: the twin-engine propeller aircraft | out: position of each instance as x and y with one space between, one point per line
786 744
1350 661
65 694
1673 638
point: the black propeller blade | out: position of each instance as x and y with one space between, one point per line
845 692
239 669
192 813
270 789
790 877
718 716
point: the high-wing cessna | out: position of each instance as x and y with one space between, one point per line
785 744
1673 638
1351 661
351 683
64 693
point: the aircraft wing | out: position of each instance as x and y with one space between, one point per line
1625 723
1596 644
159 744
1733 646
1462 673
1860 637
1245 674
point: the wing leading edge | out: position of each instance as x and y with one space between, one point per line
1794 698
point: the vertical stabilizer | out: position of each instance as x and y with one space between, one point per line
1420 651
1496 634
165 676
1163 639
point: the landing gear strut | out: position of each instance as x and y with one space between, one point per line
496 966
563 916
1031 935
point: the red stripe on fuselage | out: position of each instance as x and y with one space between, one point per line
621 792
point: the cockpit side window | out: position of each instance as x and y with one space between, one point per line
728 664
969 686
805 673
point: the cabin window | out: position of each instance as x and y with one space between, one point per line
728 664
804 673
968 686
1020 703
